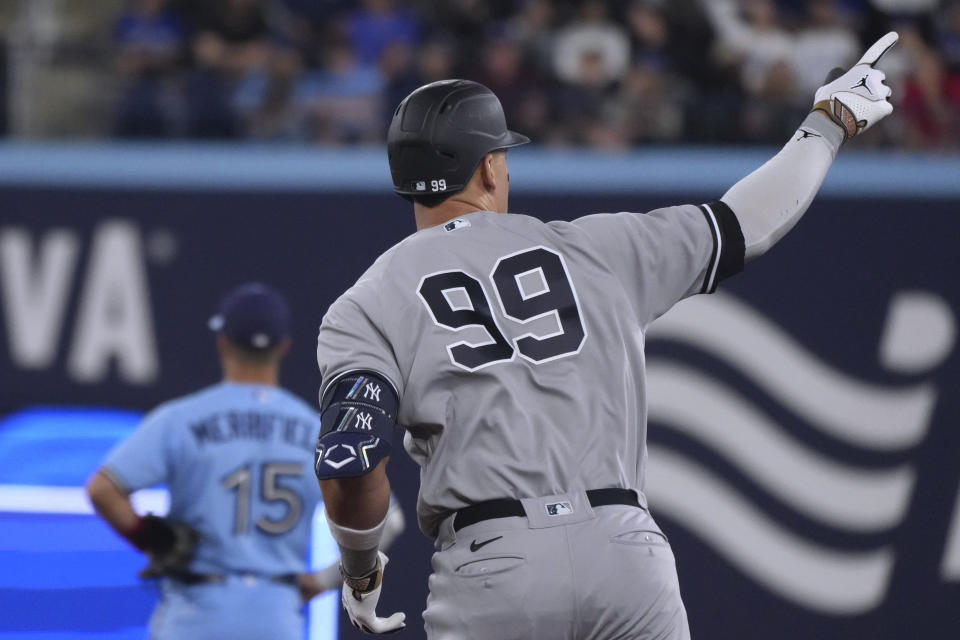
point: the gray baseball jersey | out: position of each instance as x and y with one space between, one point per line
516 346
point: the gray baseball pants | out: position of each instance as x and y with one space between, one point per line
566 571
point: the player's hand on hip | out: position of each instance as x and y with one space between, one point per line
360 596
858 99
313 584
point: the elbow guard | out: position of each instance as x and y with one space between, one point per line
357 415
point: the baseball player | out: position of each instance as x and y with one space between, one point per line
511 352
236 458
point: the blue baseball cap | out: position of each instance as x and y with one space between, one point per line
253 315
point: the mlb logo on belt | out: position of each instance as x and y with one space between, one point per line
559 508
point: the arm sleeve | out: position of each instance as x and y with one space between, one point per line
771 200
350 340
143 459
668 254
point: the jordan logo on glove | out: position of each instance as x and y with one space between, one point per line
862 83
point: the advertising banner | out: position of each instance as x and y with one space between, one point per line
805 420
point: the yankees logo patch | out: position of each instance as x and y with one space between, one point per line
371 391
363 421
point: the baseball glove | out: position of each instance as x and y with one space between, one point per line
169 546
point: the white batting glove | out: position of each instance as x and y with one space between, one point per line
360 596
857 100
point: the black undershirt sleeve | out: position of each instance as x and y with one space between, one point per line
728 245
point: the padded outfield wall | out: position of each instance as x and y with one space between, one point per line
805 422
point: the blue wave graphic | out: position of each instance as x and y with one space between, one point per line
58 573
59 446
861 502
872 417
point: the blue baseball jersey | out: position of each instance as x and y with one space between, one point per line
237 460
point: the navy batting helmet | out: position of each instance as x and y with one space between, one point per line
439 134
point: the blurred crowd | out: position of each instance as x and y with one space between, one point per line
605 74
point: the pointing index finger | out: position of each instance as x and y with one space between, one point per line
879 48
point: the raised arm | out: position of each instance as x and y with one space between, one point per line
771 200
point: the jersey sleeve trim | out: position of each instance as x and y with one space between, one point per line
728 245
710 279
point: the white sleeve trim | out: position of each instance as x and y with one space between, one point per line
710 282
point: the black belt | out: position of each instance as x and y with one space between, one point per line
190 578
506 508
